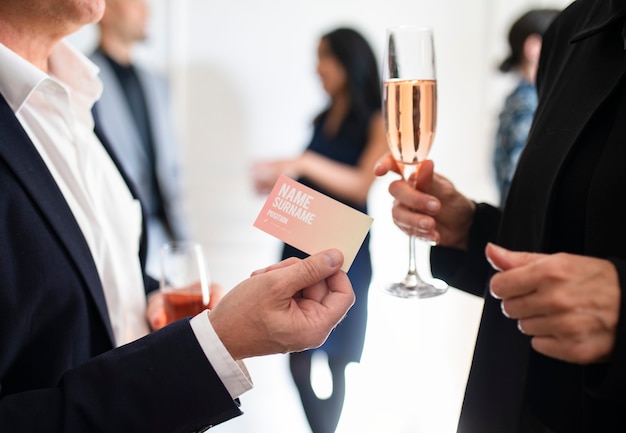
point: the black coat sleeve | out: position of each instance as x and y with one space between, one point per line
608 381
469 270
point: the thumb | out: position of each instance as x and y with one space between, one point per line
385 164
311 270
423 177
502 259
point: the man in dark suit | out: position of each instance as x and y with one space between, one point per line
550 354
71 281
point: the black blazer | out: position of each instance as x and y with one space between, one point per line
54 323
583 62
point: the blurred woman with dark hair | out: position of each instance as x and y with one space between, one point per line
348 138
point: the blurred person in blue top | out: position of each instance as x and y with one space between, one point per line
525 38
348 138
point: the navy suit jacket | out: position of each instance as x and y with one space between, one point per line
58 369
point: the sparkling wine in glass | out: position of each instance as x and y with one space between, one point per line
184 280
410 118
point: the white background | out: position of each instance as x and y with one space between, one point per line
244 88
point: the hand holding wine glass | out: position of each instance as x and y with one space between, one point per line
410 118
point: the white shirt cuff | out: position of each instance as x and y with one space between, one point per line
234 374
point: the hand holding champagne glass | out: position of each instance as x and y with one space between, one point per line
184 280
410 118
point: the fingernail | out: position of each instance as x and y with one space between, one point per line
424 225
333 258
492 293
496 249
504 310
432 206
493 265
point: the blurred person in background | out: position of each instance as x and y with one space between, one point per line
525 38
347 140
135 114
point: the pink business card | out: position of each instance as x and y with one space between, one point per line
311 221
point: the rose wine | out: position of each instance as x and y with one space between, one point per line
410 116
181 304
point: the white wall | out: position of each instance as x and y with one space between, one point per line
243 75
244 72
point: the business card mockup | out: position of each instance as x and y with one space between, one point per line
311 221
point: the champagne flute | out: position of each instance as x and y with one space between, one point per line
184 280
410 117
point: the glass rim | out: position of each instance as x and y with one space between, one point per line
414 27
181 243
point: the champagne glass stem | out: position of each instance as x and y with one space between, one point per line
412 277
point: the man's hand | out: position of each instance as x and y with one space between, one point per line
569 304
287 307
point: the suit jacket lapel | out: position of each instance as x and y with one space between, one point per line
22 157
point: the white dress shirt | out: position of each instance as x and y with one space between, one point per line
55 112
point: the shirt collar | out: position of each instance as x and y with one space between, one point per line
602 14
69 68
